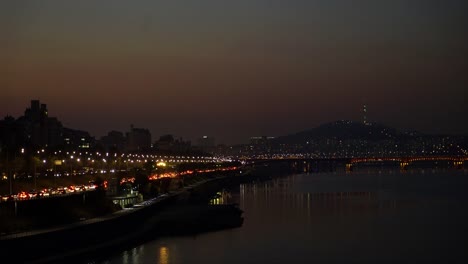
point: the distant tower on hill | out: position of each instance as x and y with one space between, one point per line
364 114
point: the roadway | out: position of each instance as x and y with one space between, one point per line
120 213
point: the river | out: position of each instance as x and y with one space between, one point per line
367 216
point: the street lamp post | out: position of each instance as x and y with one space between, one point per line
34 173
9 172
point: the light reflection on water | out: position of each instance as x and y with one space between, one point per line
383 217
163 255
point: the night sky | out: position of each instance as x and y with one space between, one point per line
235 69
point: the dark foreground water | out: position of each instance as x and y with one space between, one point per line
362 217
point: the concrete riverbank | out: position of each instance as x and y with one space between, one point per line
165 215
183 212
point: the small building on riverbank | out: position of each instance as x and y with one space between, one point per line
127 200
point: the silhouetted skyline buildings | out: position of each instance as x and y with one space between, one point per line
35 130
341 139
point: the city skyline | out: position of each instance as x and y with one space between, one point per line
235 70
39 128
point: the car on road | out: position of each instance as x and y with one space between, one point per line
23 196
33 194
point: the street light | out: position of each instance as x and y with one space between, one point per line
34 168
34 172
9 172
10 176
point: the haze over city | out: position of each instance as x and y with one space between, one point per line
236 69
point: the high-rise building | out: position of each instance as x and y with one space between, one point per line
77 139
138 139
12 134
54 132
260 145
114 141
206 143
169 144
41 129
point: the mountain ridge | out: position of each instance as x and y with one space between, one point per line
352 130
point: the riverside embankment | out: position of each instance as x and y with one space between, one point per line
181 212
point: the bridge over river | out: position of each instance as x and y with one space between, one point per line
349 163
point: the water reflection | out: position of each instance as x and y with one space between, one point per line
163 257
359 217
333 193
125 257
